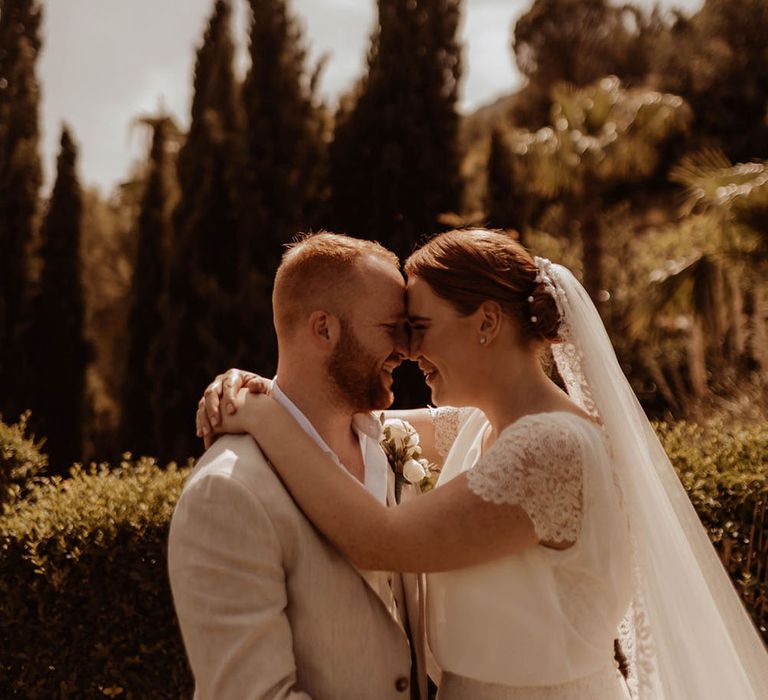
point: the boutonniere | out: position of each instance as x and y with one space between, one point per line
400 442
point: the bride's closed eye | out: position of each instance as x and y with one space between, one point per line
420 325
416 330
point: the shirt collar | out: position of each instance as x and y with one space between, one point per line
368 429
279 395
368 424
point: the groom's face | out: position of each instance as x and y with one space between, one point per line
373 340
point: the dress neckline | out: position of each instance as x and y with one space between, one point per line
537 414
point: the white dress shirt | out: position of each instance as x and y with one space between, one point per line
368 430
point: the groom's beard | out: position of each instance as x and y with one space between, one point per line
357 375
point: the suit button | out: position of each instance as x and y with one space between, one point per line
401 684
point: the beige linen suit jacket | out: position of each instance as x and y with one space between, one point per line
268 609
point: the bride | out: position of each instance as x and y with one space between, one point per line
558 522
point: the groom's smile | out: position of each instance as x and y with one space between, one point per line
373 341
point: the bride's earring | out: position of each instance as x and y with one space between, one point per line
482 340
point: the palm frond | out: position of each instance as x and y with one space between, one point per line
674 285
697 286
712 182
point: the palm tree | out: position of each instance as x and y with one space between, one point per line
602 137
720 286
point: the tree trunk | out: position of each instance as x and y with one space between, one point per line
737 323
657 375
758 334
697 359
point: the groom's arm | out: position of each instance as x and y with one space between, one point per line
225 565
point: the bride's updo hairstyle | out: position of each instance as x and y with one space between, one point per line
469 266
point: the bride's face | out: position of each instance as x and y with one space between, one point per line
444 343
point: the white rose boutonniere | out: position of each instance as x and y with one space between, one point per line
401 445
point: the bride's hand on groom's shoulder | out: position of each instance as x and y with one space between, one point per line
247 414
220 399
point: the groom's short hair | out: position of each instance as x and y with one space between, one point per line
320 271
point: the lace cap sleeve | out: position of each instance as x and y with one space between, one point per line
535 463
447 421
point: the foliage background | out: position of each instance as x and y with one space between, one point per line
635 153
85 603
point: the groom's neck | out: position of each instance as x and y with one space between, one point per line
313 398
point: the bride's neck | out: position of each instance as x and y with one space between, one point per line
516 389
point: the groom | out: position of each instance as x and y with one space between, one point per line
267 607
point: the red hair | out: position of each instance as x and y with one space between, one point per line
320 269
469 266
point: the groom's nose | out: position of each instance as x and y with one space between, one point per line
414 346
402 341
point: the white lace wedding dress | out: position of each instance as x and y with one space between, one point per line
538 625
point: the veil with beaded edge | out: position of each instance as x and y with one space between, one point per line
687 635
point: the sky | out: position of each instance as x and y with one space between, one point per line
105 62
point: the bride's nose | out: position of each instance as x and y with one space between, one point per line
414 346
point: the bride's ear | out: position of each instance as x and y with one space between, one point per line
489 316
324 329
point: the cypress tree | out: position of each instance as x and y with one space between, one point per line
201 308
145 321
284 184
282 192
577 42
20 180
57 348
580 41
500 209
395 155
508 203
716 61
206 218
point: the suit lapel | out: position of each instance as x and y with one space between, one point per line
379 581
411 601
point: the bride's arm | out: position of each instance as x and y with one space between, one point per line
220 398
447 528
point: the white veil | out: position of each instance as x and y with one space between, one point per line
687 635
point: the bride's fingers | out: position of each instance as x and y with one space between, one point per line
233 382
202 422
212 399
258 385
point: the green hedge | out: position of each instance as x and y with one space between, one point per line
725 471
85 605
21 460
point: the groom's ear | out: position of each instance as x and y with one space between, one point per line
489 317
324 329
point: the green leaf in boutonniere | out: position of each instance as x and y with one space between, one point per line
400 442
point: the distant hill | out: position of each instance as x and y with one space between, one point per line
480 122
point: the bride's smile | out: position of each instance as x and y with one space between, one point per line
439 344
430 371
